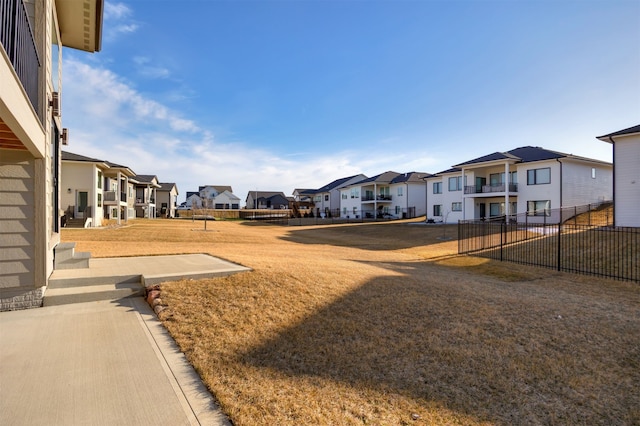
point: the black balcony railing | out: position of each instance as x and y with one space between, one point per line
16 36
487 189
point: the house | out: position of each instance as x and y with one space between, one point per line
327 198
146 195
94 190
389 194
626 175
266 200
529 181
301 195
167 199
31 39
218 197
193 200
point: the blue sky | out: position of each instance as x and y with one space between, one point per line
277 95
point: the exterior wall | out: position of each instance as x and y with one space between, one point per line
450 197
22 273
550 191
194 202
226 199
413 195
578 186
352 205
626 157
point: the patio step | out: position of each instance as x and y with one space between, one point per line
66 257
92 293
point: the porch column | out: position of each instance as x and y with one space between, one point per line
506 191
375 200
126 192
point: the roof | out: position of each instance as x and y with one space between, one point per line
452 170
385 177
146 178
219 188
417 177
624 132
167 186
70 156
265 194
80 23
525 154
333 185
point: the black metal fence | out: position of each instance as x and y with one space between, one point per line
586 249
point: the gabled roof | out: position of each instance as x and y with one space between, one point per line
264 194
167 186
525 154
190 193
624 132
333 185
415 177
385 177
219 188
452 170
146 178
229 195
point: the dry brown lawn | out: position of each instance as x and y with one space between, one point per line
382 324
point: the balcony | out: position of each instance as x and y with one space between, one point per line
16 36
490 189
110 198
376 197
147 202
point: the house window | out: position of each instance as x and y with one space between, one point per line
99 179
326 197
539 208
398 210
344 211
496 209
539 176
437 187
344 196
455 183
99 200
593 173
437 209
400 191
355 210
355 193
456 207
317 198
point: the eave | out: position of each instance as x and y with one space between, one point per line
80 23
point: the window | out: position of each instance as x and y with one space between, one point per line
498 178
344 210
437 210
398 210
355 210
456 207
317 198
400 191
437 187
344 195
455 183
496 209
539 176
99 200
99 179
539 208
593 173
326 197
355 193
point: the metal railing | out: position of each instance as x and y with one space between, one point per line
488 189
16 36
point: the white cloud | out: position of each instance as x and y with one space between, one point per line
118 20
115 11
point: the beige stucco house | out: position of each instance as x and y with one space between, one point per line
33 34
167 199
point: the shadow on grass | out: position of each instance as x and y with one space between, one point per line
505 353
374 236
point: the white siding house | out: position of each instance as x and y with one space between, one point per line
626 171
529 181
327 200
32 35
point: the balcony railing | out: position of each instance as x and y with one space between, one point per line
487 189
16 36
376 198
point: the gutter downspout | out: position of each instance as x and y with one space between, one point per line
561 184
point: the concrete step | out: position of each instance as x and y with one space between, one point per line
79 261
68 280
67 258
92 293
64 251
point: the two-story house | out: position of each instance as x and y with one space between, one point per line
32 34
167 199
266 200
326 199
218 197
145 201
626 175
527 180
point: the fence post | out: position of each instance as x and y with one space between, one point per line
501 227
559 249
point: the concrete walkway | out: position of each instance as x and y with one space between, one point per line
106 362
